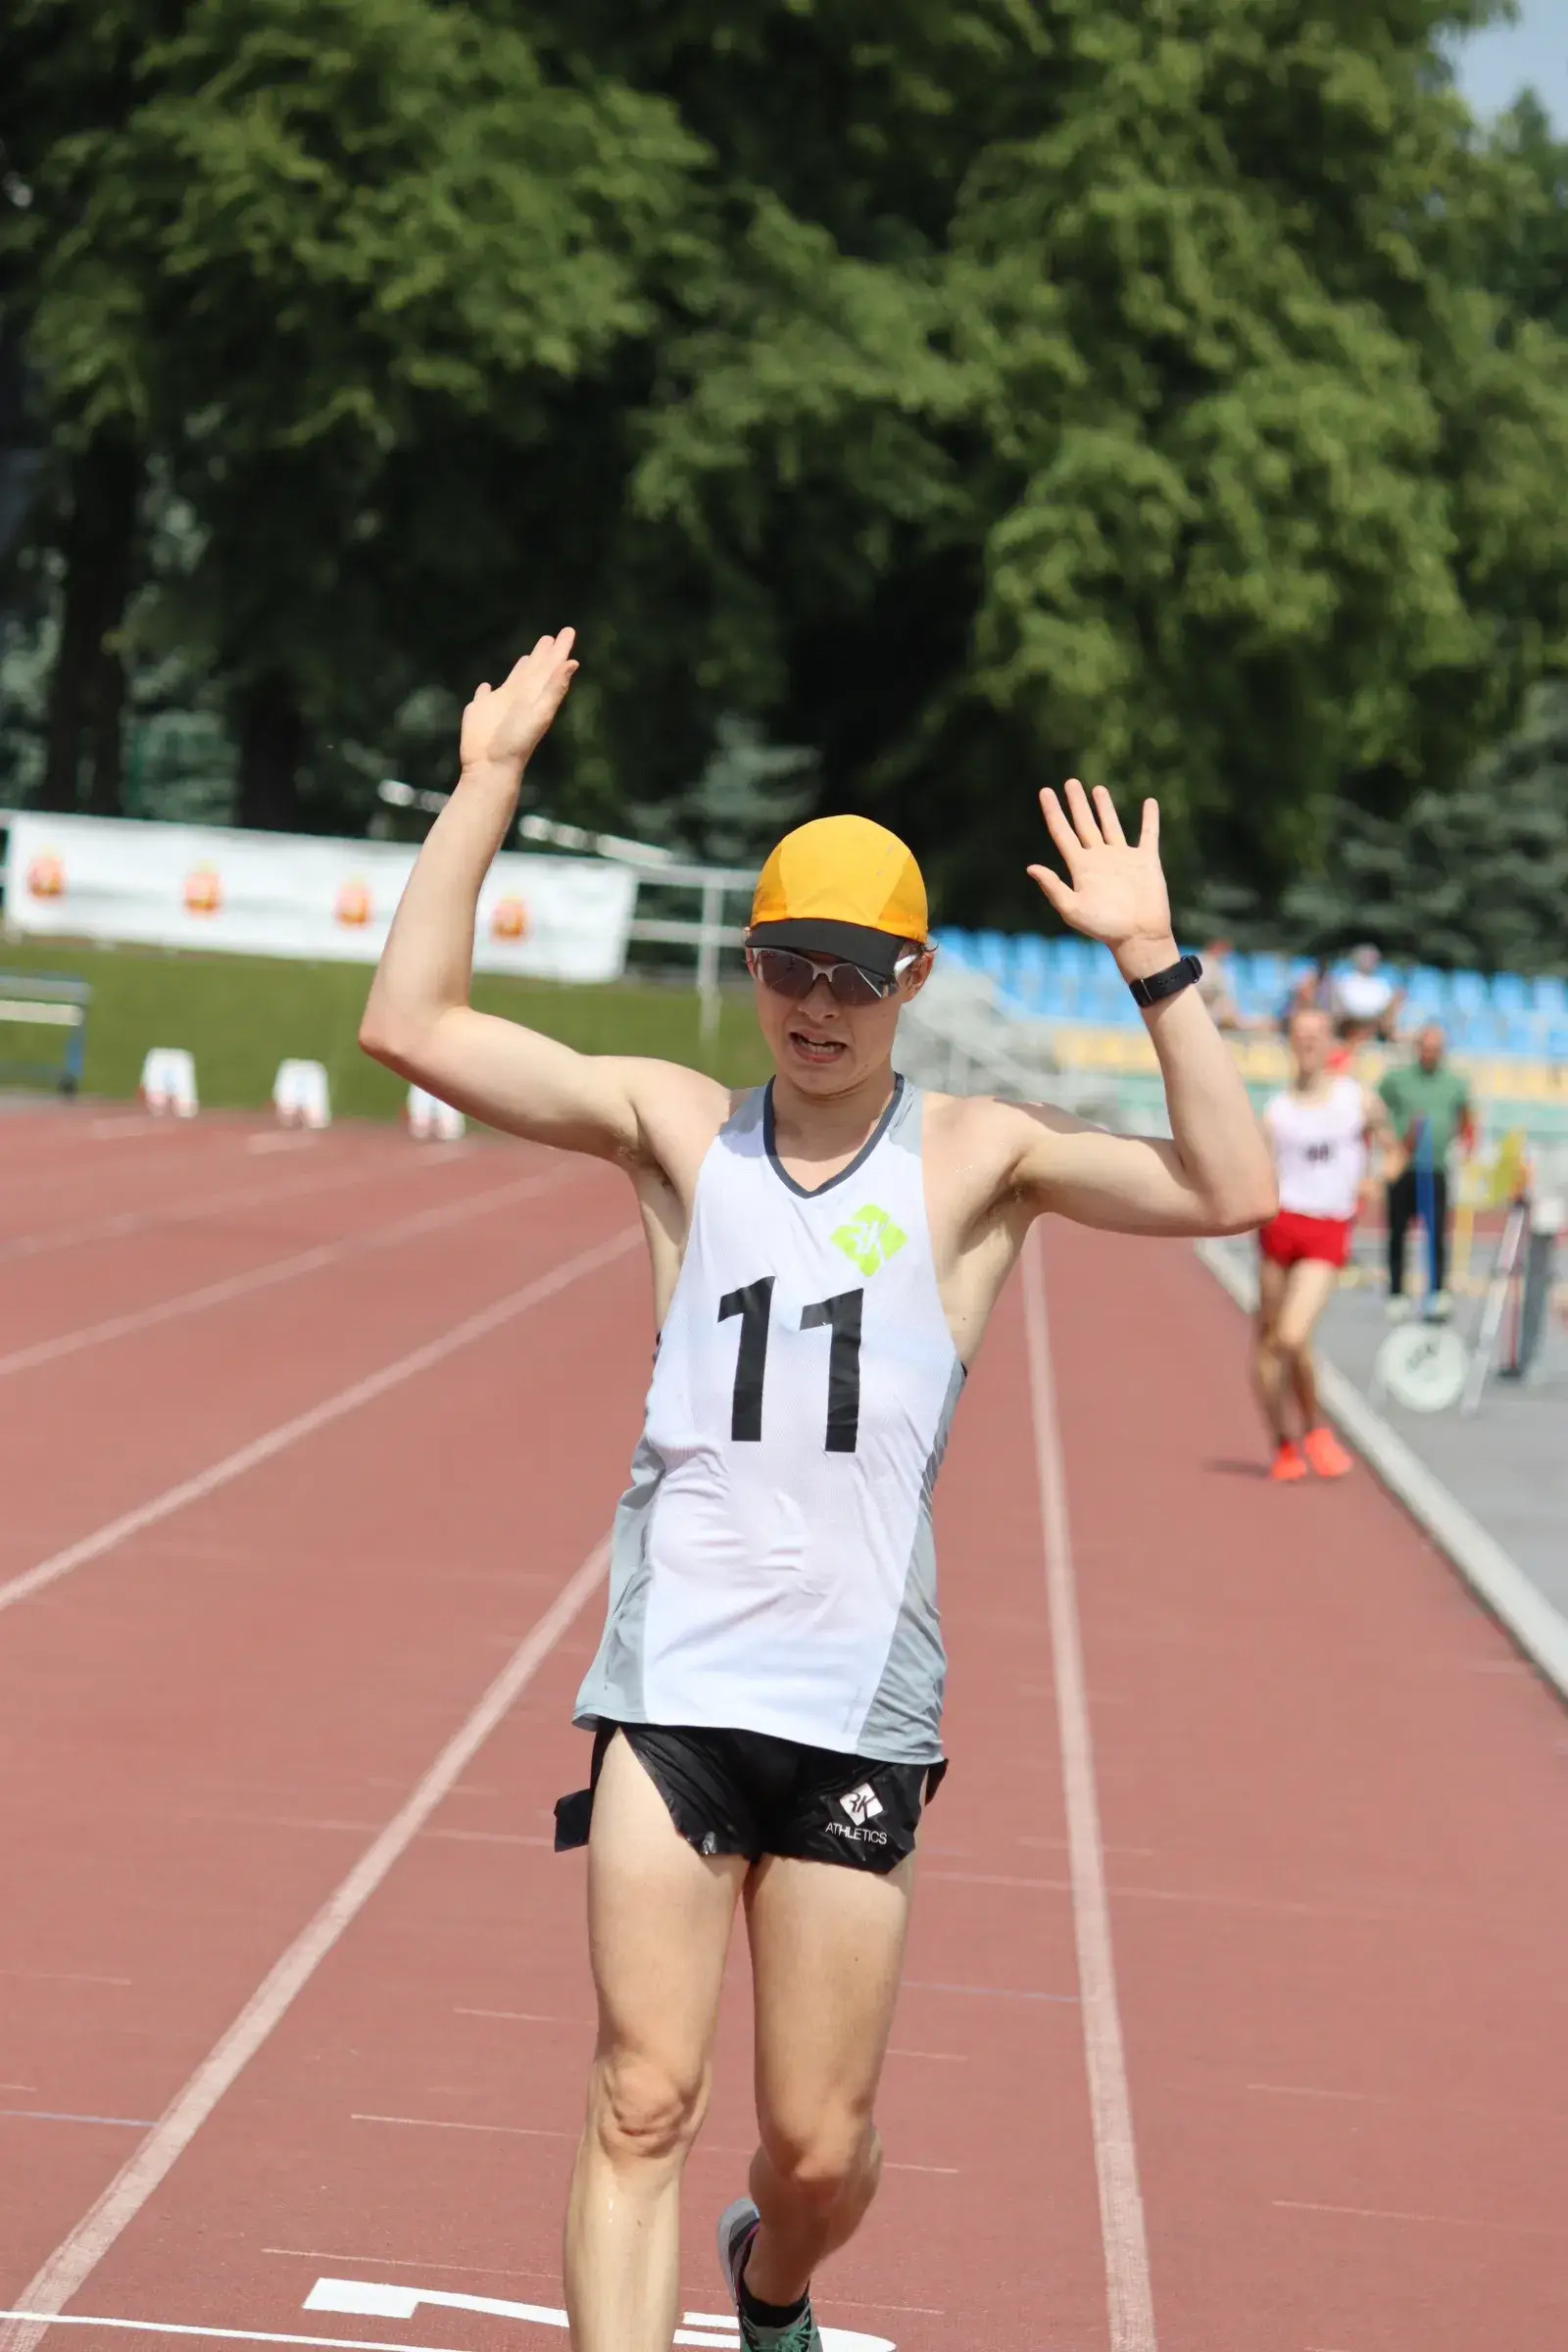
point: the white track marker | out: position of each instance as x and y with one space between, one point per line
1128 2294
363 2298
74 2262
319 1416
267 1277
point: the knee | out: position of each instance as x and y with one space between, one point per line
643 2111
822 2167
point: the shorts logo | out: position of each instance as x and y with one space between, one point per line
870 1239
861 1804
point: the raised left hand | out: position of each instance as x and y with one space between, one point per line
1115 889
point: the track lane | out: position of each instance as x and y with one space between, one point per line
90 1436
459 2007
188 1777
111 1293
1340 1956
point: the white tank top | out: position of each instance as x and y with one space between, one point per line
772 1568
1320 1149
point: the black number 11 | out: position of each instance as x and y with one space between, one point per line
754 1306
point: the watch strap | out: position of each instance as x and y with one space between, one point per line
1169 983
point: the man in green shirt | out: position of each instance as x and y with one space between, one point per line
1428 1110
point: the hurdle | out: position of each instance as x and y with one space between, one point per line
39 1001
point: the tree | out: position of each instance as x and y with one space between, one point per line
1191 452
312 234
1474 876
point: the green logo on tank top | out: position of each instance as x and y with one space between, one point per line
870 1238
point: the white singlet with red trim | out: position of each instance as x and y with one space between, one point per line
1320 1149
772 1568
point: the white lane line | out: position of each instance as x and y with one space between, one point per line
443 2122
1128 2292
267 1277
63 1975
40 2320
193 1205
75 2260
47 2115
407 2262
1439 2220
319 1416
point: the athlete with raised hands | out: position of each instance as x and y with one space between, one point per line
766 1699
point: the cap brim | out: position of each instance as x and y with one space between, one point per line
810 935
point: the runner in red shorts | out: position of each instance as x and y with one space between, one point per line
1319 1130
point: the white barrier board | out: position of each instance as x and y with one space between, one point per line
169 1080
432 1119
299 894
301 1094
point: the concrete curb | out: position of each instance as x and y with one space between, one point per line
1496 1578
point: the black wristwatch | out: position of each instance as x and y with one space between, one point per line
1168 983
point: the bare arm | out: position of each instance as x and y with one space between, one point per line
419 1020
1215 1174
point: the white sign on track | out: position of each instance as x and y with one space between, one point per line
364 2298
300 895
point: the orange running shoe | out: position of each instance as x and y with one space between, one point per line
1286 1465
1326 1454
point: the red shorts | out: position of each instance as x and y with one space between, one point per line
1290 1236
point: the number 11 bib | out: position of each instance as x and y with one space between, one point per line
772 1568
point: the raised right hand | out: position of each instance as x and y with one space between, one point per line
502 726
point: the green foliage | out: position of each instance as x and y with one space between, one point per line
1473 876
968 392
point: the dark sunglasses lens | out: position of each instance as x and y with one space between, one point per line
784 972
853 986
794 976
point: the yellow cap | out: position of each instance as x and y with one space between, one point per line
841 886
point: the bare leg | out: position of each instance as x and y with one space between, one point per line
659 1924
826 1948
1269 1366
1309 1290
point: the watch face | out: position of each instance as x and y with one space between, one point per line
1423 1367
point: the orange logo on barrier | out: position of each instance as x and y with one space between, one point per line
204 889
46 877
353 905
508 920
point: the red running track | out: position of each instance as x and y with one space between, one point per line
1234 2019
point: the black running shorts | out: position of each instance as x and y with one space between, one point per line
746 1792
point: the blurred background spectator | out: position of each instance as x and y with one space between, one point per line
1428 1110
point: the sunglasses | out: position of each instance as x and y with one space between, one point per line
793 976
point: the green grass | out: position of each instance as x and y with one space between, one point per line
240 1016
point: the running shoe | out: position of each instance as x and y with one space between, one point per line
1286 1466
1325 1453
1398 1308
1437 1308
737 2227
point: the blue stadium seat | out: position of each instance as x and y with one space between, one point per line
1467 992
1082 957
1510 992
1551 997
1557 1043
953 944
993 955
1270 977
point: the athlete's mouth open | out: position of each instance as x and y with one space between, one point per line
821 1051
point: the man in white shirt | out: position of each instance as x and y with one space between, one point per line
1364 1000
